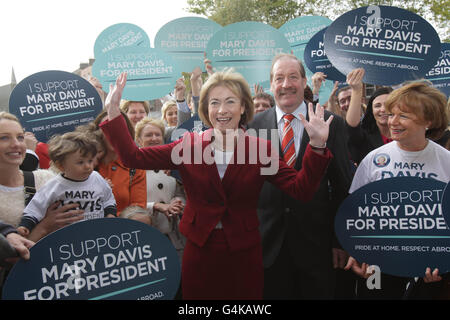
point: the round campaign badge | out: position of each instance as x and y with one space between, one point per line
152 73
186 39
316 58
393 45
108 258
248 48
118 36
439 75
396 224
54 102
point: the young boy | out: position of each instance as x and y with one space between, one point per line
72 153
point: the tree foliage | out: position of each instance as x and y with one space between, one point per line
278 12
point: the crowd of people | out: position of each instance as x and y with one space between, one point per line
241 231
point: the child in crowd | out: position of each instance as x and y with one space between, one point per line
136 213
73 154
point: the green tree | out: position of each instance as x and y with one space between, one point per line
278 12
273 12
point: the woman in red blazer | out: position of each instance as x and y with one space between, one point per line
223 170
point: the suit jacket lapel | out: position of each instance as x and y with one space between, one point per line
234 169
210 169
303 143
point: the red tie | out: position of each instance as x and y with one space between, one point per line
287 144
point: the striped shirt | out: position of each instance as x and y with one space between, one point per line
296 124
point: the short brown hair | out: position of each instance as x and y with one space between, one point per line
125 105
148 121
265 96
237 84
428 103
104 114
59 146
288 56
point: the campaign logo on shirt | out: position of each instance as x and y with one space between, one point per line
381 160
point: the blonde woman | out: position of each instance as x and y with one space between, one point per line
223 255
169 113
165 195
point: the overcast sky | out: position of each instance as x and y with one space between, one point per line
58 35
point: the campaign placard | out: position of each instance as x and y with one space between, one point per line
120 35
439 75
54 102
396 224
446 203
248 47
108 258
186 39
393 45
152 73
316 59
193 124
299 32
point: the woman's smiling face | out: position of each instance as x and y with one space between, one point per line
12 143
224 109
407 128
378 110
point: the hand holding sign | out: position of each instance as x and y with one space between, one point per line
357 268
396 224
354 79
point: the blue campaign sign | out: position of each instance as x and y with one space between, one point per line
439 75
393 45
186 39
194 124
396 224
446 203
152 73
248 47
298 32
316 58
54 102
108 258
120 35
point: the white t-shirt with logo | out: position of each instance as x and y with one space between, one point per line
389 161
93 194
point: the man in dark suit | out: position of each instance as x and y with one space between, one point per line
299 246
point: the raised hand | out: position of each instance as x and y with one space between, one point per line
357 268
208 65
112 101
354 78
196 81
431 276
257 88
317 127
180 89
317 79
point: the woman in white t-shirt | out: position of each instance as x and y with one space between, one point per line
416 115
